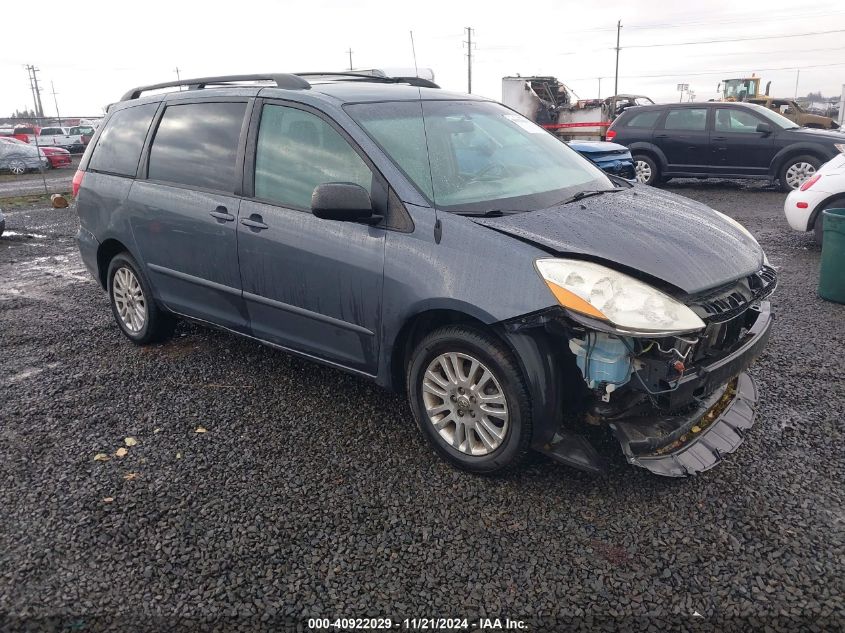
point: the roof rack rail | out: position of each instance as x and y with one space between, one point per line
365 77
283 80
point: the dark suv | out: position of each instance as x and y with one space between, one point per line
441 245
727 140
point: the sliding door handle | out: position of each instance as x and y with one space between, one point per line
254 221
222 214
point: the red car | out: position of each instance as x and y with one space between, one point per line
57 156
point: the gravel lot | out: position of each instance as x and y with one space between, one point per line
311 493
58 180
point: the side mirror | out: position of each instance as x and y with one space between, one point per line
764 128
343 201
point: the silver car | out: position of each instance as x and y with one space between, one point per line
18 158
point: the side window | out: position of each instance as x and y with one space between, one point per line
196 145
729 120
686 119
398 128
644 119
120 144
297 151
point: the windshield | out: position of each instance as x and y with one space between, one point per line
475 156
779 120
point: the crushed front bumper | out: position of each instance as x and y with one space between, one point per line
677 446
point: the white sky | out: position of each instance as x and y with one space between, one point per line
107 47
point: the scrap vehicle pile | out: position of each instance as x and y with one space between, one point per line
553 105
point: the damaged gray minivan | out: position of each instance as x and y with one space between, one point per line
441 245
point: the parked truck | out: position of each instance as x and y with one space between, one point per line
59 137
553 105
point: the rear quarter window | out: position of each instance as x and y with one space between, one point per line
119 148
196 145
643 119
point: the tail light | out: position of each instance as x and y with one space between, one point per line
611 134
809 183
77 181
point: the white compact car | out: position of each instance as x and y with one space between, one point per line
825 190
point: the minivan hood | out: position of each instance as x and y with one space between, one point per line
672 238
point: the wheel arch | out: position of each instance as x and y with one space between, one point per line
817 212
105 253
791 151
417 326
651 150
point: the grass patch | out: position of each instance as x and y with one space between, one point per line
30 200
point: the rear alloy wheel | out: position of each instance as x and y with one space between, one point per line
17 166
646 170
469 399
133 306
797 170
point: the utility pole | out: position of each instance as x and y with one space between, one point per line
797 76
178 76
616 80
40 108
350 57
56 101
32 87
414 52
599 87
468 42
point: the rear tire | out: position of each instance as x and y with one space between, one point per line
17 166
796 170
132 303
646 169
469 399
818 227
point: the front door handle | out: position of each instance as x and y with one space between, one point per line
661 136
254 221
222 213
718 138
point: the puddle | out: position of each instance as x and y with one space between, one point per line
40 277
27 236
29 372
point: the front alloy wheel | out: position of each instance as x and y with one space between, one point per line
797 173
469 399
465 403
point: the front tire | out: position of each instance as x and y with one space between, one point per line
136 312
469 399
646 169
796 170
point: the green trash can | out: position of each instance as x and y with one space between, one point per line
832 273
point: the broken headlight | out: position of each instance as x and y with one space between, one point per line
625 303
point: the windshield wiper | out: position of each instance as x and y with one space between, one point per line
586 194
492 213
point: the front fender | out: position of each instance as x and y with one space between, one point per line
650 148
814 149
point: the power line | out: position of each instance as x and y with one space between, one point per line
717 72
737 39
733 20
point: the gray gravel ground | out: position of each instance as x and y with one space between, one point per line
311 493
58 180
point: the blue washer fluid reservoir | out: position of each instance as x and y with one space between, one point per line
602 358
